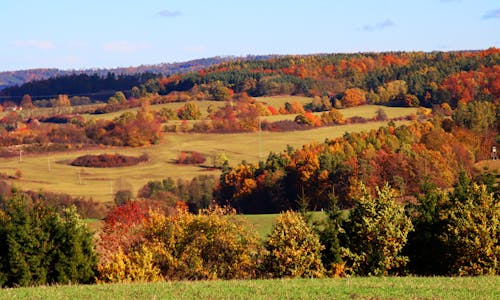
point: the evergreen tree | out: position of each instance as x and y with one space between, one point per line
329 237
39 246
424 249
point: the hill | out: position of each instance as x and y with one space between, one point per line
20 77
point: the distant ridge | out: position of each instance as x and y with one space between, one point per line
12 78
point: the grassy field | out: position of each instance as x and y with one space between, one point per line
263 223
365 111
346 288
203 105
51 171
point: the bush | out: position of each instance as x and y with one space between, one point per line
191 158
108 160
214 244
294 250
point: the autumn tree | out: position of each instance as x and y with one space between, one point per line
477 115
26 102
353 97
375 234
471 231
214 244
190 111
294 249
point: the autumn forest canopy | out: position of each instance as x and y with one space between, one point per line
404 197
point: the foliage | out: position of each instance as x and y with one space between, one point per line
477 116
375 234
197 192
191 158
424 249
190 111
329 232
294 250
39 246
108 160
213 244
471 230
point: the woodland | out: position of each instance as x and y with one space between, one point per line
405 198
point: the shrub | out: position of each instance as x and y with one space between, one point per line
294 250
191 158
375 234
214 244
108 160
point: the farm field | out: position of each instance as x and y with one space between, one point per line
52 172
345 288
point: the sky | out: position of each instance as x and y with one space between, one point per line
83 34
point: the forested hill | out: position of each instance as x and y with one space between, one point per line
391 78
397 78
18 78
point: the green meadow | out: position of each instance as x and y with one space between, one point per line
344 288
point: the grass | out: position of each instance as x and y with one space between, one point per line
203 105
365 111
263 223
345 288
51 171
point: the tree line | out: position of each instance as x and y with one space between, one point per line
442 233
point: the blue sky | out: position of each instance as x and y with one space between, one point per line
76 34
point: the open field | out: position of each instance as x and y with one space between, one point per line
365 111
203 105
345 288
52 172
275 101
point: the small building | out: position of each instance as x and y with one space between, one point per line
494 153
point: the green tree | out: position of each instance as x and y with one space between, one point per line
135 92
329 233
40 246
375 234
294 249
190 111
424 249
476 115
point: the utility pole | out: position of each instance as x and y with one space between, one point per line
260 137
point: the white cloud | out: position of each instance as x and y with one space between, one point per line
169 13
124 46
379 26
45 45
